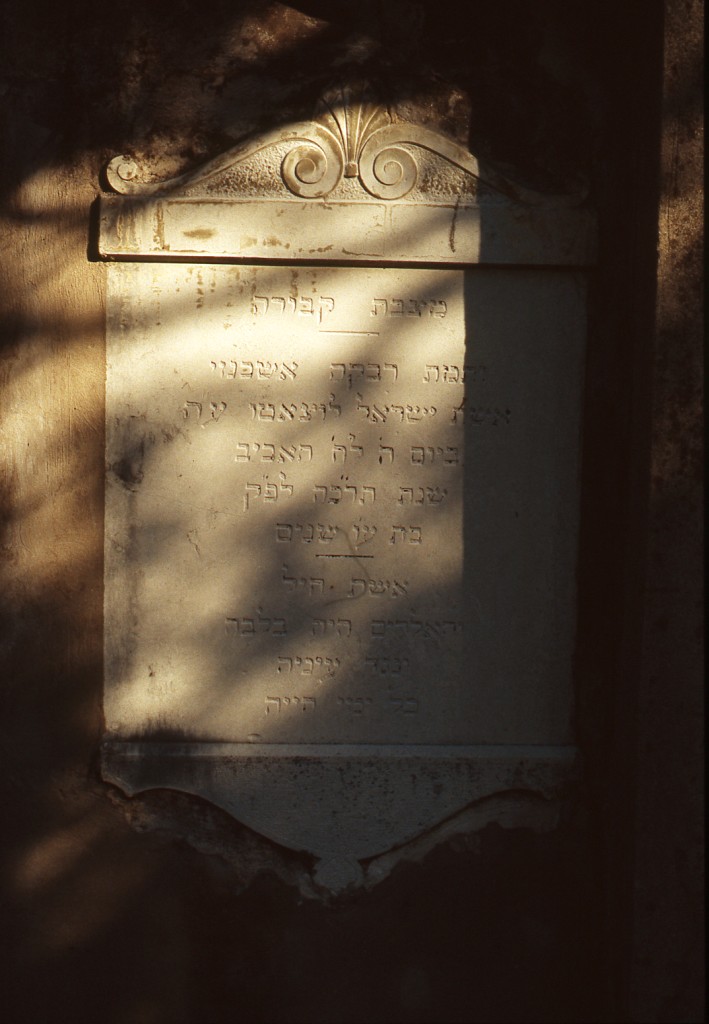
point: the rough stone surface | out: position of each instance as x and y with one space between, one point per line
193 918
670 813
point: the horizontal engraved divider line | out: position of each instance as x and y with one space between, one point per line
356 751
344 556
358 334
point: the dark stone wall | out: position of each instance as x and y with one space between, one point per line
112 911
668 810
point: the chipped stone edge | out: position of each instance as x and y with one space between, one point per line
321 797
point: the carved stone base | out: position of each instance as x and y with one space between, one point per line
343 804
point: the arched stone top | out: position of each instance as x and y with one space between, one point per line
351 140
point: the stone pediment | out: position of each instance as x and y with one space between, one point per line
353 149
375 185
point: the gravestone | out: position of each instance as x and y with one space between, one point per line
343 430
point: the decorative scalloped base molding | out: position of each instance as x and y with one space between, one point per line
345 804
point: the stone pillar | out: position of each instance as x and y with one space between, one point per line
665 979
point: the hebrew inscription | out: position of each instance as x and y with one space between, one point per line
341 504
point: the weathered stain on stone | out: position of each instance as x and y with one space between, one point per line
202 233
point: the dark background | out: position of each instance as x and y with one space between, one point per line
162 909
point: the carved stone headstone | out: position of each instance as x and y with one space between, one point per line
343 428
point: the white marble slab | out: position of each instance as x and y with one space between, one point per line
341 504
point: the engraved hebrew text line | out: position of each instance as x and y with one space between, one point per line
306 306
238 369
275 704
409 307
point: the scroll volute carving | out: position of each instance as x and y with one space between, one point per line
352 136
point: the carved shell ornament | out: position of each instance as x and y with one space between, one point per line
356 138
350 136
